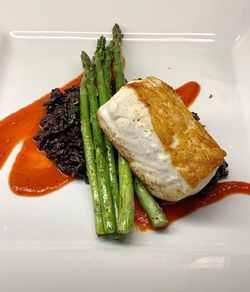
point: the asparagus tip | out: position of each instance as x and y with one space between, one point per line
101 42
110 47
109 52
117 34
86 62
100 50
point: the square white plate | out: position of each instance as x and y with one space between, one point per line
49 243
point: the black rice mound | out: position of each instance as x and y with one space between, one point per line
60 132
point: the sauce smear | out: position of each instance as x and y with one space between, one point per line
189 92
32 174
192 203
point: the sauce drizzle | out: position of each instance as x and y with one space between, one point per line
193 203
32 174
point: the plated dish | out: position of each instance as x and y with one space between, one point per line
146 120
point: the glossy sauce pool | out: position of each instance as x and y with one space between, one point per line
32 174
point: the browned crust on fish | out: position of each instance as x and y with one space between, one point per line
196 154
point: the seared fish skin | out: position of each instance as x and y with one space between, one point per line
171 153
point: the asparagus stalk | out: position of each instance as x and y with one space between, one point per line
149 204
126 202
90 156
98 61
117 62
104 95
108 213
107 69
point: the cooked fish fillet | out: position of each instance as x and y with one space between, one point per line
165 146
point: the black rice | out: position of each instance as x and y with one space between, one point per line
60 133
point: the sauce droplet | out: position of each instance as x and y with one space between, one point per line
189 92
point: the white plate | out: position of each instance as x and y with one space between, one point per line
49 243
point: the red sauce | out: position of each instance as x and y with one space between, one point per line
192 203
32 174
189 92
142 221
